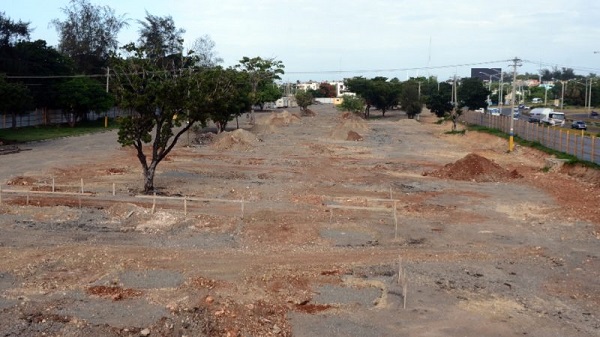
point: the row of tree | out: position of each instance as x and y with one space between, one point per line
382 94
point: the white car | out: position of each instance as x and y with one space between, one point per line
494 111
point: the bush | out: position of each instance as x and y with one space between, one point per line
353 104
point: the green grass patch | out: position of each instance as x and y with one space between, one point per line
44 132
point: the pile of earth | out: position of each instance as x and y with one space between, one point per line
474 167
348 128
281 119
275 120
239 139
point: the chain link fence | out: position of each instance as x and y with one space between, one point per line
574 142
52 117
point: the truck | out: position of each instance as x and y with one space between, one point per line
547 116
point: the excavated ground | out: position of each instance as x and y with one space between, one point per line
321 225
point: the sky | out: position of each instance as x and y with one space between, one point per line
334 39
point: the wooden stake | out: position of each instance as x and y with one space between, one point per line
185 206
242 207
114 190
395 222
27 199
53 184
153 203
81 185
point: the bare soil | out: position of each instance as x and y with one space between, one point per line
385 227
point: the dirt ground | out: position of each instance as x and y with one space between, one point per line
322 225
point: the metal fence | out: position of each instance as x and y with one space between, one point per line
52 117
574 142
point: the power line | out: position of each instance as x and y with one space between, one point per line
394 69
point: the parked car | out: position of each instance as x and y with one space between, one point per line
579 125
494 111
594 114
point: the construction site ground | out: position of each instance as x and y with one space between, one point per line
318 224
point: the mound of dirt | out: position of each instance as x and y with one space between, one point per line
349 124
235 140
21 181
352 135
474 167
281 119
309 113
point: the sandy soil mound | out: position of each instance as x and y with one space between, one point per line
352 135
281 119
21 181
309 113
348 128
474 167
235 140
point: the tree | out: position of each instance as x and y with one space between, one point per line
159 38
377 92
89 34
363 88
304 99
472 93
16 99
354 104
234 100
12 32
439 104
81 95
409 99
42 67
204 50
261 74
267 92
167 100
327 90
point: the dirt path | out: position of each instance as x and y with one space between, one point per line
509 250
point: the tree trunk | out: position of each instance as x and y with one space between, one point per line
149 178
14 120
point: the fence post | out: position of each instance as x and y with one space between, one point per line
593 149
567 150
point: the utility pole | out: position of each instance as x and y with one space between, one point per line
511 144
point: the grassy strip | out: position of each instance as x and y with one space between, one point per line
536 145
44 132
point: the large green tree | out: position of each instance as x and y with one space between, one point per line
160 38
88 34
410 100
304 99
12 32
167 99
377 92
234 99
472 93
16 99
261 75
80 95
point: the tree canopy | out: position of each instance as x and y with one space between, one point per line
261 75
88 34
304 99
159 37
80 95
472 93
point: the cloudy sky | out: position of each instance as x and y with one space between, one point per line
333 39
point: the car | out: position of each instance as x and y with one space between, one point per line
579 125
482 110
494 111
594 114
